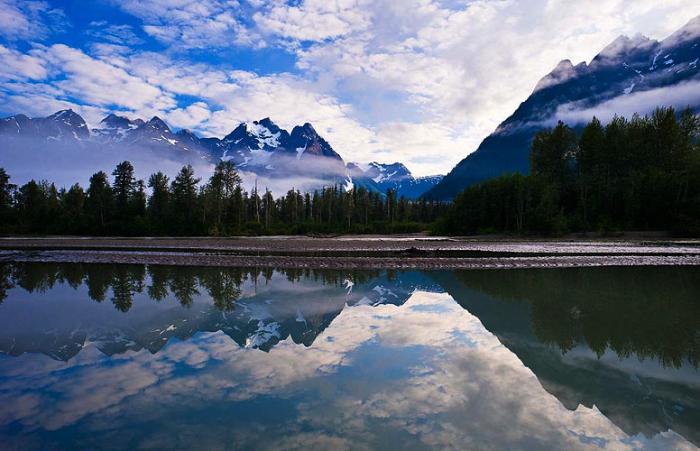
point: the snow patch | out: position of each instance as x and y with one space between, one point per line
300 151
263 135
653 63
263 334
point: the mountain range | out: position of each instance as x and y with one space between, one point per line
631 75
260 148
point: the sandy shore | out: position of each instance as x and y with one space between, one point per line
353 252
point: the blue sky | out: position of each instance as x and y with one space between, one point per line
417 81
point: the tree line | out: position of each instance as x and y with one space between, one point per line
641 173
119 284
186 207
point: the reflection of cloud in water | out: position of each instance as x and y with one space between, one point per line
345 391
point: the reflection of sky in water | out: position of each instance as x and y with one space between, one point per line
422 374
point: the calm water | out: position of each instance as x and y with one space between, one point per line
115 357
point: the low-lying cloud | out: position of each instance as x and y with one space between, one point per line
679 96
66 164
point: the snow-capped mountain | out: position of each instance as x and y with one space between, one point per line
382 177
64 125
258 148
631 75
264 148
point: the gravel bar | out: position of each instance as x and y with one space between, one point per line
353 252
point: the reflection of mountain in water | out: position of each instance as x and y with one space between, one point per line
626 340
256 308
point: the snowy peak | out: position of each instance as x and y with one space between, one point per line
157 124
17 125
306 142
564 72
256 135
630 52
67 123
64 125
395 176
266 133
115 128
388 173
258 147
113 121
689 32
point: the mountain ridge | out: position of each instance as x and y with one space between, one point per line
572 93
261 148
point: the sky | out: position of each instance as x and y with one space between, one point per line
416 81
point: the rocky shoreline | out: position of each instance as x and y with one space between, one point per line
353 252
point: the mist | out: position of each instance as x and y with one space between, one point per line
65 164
643 102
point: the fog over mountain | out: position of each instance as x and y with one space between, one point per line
61 148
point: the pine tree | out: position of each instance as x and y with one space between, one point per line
184 201
99 200
124 187
158 207
6 193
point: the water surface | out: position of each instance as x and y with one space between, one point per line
119 356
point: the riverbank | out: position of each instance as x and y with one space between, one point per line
353 252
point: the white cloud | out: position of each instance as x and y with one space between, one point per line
116 34
15 66
27 19
46 79
190 117
315 20
192 23
98 82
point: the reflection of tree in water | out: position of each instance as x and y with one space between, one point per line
39 277
223 285
183 285
126 282
98 279
648 312
159 275
6 281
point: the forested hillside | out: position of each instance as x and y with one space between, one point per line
641 173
